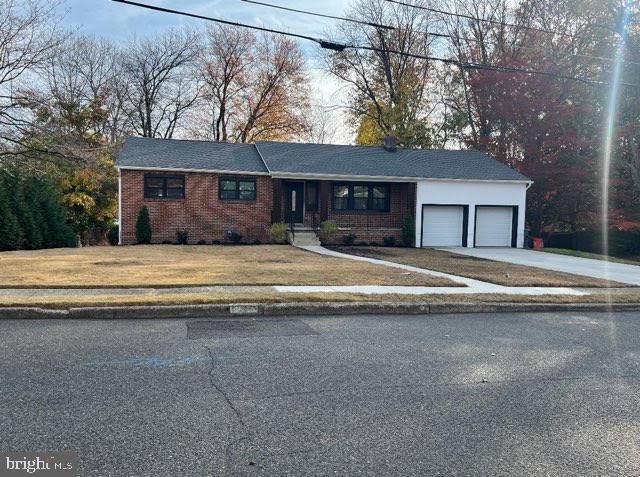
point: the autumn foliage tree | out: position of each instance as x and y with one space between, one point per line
255 87
389 92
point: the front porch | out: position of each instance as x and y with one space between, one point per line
370 211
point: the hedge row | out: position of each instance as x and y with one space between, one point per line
620 243
31 216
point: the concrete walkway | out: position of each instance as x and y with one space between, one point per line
588 267
471 286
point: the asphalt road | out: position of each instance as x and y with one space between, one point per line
521 394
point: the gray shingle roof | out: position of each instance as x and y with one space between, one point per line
325 159
189 155
314 159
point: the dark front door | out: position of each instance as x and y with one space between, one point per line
294 202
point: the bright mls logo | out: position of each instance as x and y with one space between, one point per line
45 464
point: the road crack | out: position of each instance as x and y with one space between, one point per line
220 390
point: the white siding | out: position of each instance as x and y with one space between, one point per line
471 193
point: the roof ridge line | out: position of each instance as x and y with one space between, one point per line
255 145
371 146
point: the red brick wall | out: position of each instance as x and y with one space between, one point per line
201 212
367 226
375 226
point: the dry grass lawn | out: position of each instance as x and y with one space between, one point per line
175 265
63 302
490 271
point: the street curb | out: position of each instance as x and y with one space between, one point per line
303 308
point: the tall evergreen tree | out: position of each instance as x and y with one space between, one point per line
59 233
10 232
22 208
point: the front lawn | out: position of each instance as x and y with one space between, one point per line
175 265
595 256
490 271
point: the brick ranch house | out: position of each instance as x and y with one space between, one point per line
455 198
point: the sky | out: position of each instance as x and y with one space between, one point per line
119 22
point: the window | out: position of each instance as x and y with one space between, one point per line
359 196
341 197
163 187
233 188
380 198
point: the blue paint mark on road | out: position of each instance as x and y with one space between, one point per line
155 361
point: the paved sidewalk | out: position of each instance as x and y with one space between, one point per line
360 289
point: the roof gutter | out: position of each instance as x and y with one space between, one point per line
300 175
207 171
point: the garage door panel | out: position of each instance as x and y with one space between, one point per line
494 226
442 226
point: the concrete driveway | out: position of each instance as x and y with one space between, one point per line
481 394
588 267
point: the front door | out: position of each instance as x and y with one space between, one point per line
294 202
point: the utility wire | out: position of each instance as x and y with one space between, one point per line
488 20
217 20
330 45
429 33
304 12
529 48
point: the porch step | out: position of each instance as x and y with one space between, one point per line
304 238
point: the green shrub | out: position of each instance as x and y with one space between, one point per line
234 236
143 226
113 235
328 231
202 242
182 237
278 232
390 241
349 239
408 232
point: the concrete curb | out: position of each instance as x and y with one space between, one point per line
292 309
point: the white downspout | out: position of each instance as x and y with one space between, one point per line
119 207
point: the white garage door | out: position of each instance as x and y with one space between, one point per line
493 226
442 226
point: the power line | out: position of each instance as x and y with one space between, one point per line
529 48
429 33
327 44
488 20
304 12
217 20
493 67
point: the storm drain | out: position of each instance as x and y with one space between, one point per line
247 328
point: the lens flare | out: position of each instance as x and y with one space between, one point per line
609 136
